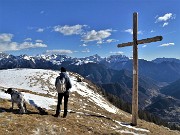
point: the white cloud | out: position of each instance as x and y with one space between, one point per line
6 37
40 30
26 45
100 42
106 41
144 46
140 32
84 45
61 51
152 31
165 24
39 41
69 30
14 46
96 35
130 31
164 18
86 51
111 40
6 43
167 44
27 39
117 53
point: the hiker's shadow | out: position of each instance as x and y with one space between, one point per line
41 110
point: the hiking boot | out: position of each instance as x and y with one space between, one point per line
64 115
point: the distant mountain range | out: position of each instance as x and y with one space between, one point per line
160 69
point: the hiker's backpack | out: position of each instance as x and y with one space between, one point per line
61 85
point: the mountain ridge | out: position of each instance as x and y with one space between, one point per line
169 67
94 58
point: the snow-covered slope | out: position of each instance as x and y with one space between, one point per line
28 79
42 81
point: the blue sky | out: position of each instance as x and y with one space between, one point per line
81 28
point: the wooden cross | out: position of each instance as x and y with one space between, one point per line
135 64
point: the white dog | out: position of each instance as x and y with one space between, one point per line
17 97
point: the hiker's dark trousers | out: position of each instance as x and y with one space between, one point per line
60 96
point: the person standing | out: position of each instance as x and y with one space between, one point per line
63 84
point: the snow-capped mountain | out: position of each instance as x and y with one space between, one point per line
91 59
3 55
58 59
158 70
116 62
55 59
117 58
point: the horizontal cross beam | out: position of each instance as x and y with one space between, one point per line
142 41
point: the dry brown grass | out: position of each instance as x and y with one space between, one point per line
33 123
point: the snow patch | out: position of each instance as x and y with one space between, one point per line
36 100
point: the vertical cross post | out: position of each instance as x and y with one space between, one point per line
135 71
135 64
